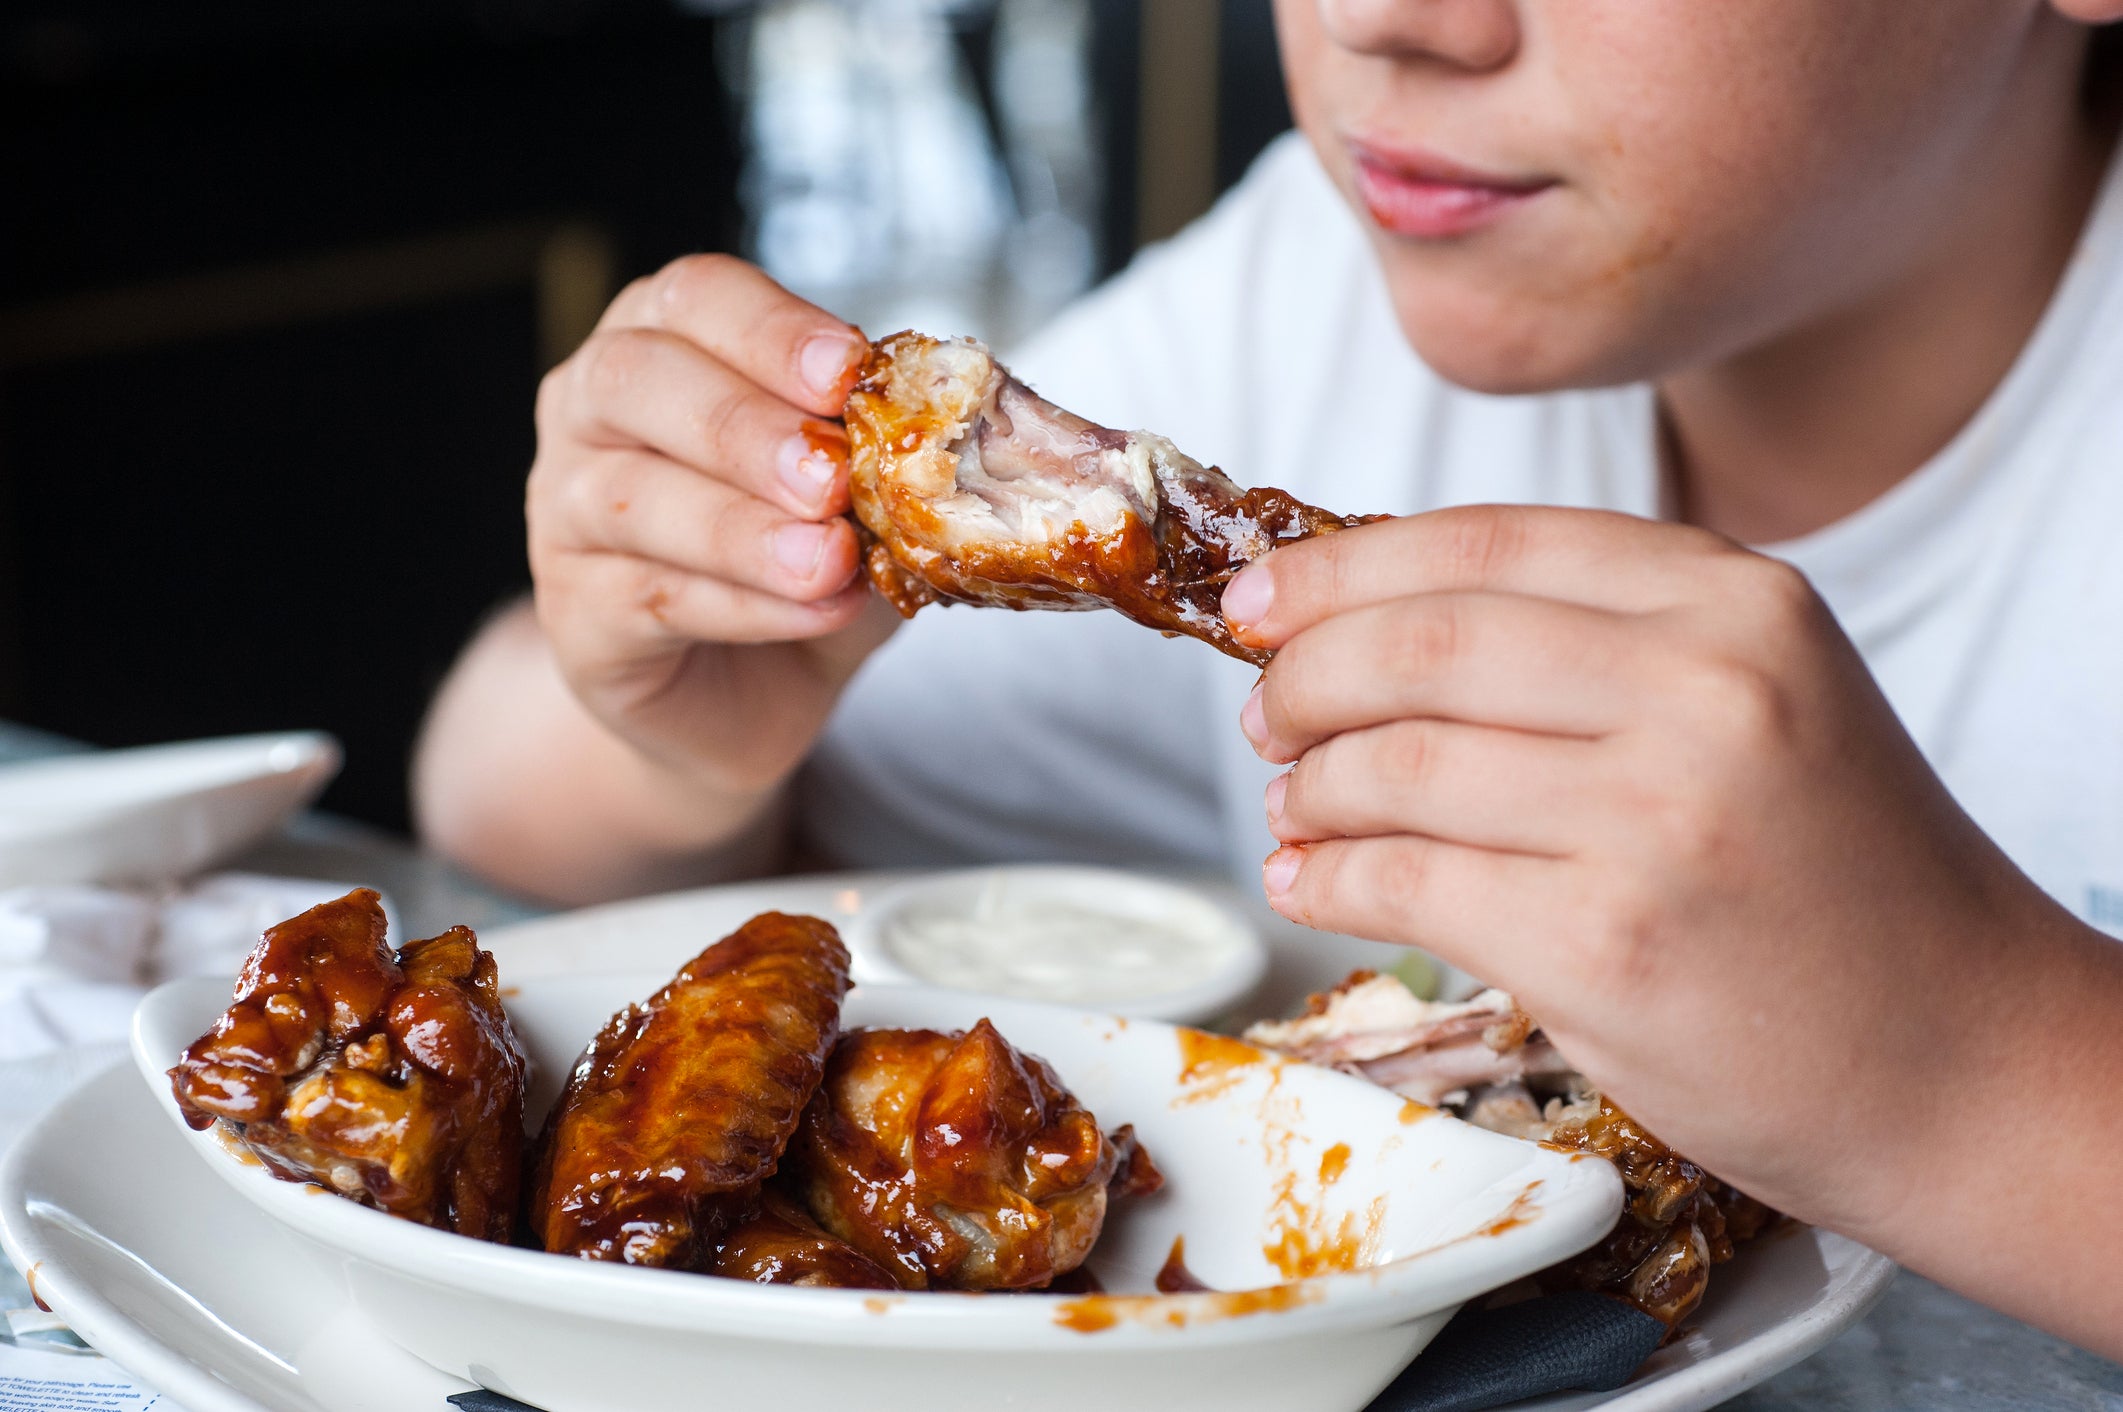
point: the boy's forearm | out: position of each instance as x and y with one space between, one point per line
2013 1200
515 780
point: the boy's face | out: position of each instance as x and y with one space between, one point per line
1576 192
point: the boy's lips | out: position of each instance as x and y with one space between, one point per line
1428 197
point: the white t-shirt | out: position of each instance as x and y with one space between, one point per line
1986 590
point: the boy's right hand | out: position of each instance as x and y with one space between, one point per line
696 577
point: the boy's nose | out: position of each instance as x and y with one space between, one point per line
1467 34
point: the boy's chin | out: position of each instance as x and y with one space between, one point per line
1503 351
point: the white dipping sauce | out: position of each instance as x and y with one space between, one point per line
1015 941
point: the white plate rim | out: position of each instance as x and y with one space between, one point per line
87 1310
1720 1376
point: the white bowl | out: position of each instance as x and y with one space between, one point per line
1411 1212
1232 957
157 813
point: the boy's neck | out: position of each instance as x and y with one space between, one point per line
1795 434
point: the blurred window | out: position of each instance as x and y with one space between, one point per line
894 177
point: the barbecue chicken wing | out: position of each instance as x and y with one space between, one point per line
1488 1060
394 1080
1679 1220
781 1245
953 1160
680 1108
971 488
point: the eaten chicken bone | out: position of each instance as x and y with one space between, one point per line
391 1078
970 488
1434 1053
1487 1059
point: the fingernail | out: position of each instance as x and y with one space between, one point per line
1253 719
1281 870
799 548
1277 788
1247 597
806 469
825 361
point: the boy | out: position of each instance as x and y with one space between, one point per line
1762 837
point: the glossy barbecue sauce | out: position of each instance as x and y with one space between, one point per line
1173 1277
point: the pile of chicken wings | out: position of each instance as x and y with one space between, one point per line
725 1125
728 1125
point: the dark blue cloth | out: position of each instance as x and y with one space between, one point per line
480 1400
1575 1341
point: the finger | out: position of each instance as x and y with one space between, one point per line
643 387
1492 659
1484 912
1496 789
637 503
1593 557
732 310
608 599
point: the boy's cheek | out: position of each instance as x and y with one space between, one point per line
1695 206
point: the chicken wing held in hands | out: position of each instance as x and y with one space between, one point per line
953 1160
969 487
680 1109
393 1080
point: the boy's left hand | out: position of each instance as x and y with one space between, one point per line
1636 775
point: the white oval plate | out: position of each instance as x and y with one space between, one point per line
1274 1171
157 813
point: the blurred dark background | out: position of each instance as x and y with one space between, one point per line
277 284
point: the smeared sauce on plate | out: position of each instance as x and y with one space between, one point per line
1101 1312
1304 1241
1523 1211
1211 1065
1173 1277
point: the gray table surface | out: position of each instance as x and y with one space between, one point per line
1921 1347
